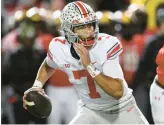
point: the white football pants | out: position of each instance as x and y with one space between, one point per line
64 104
129 115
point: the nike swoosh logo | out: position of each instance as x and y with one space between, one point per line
130 109
94 62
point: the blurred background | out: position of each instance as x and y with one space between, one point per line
29 25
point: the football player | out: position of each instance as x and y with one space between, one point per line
157 90
157 87
91 61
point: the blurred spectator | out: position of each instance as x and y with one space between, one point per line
112 5
20 67
2 22
57 4
130 57
94 4
106 23
31 3
19 16
9 41
147 68
54 23
8 10
39 17
7 113
133 41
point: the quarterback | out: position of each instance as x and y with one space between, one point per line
91 61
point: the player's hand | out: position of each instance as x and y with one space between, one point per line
29 90
84 54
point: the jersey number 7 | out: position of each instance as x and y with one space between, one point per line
92 88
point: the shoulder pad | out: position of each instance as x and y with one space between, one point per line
111 45
54 45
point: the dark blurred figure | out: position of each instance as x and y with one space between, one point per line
8 10
54 23
106 23
112 5
139 20
9 44
9 41
2 22
24 4
133 41
147 68
19 68
39 17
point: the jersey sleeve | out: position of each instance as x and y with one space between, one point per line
113 69
50 57
114 48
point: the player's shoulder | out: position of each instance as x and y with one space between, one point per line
107 39
57 41
110 45
56 45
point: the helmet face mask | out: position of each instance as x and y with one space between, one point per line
85 33
77 14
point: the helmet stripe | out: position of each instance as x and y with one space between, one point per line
82 8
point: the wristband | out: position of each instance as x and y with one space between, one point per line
37 83
93 71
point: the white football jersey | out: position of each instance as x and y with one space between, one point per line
104 56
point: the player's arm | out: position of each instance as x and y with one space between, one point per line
46 69
110 79
44 73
